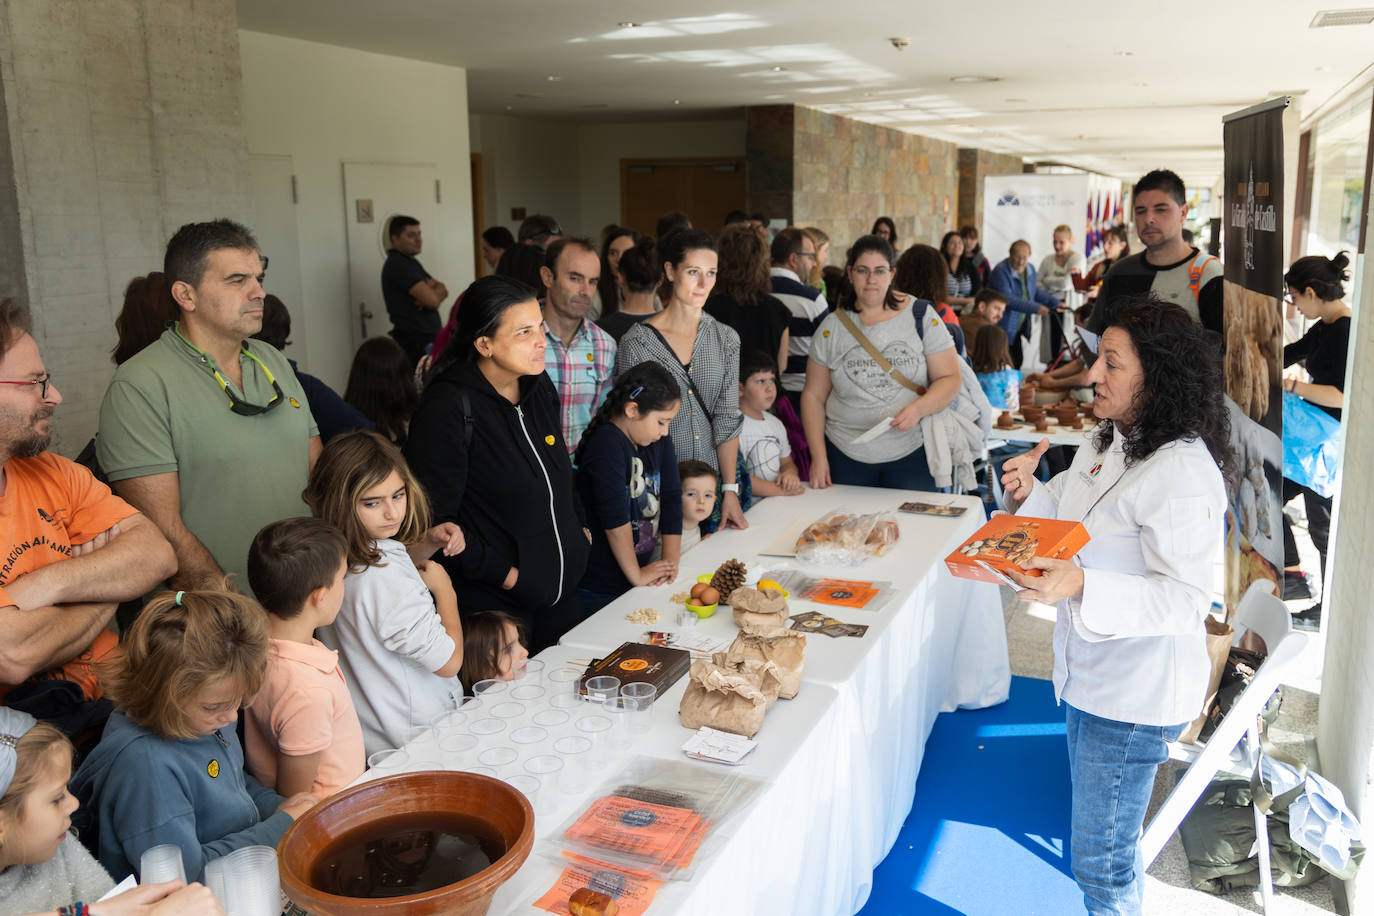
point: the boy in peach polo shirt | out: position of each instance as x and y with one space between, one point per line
302 731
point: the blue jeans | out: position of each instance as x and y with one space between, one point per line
1112 769
593 601
909 473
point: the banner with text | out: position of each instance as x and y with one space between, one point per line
1253 315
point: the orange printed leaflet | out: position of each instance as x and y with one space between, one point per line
840 592
661 835
633 894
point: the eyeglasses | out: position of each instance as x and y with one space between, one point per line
807 254
43 384
877 273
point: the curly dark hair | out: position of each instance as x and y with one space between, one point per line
1182 395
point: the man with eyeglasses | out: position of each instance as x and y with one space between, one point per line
73 550
1015 278
207 432
794 254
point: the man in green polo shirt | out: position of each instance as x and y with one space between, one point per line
206 432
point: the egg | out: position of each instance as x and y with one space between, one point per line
698 589
709 595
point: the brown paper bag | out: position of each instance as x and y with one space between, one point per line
784 648
1219 636
759 611
728 694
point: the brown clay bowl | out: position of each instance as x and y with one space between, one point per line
502 807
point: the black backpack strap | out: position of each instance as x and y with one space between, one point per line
465 400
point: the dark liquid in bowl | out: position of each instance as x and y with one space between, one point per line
406 854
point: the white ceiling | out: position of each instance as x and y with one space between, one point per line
1114 87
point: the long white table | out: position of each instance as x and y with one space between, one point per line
840 759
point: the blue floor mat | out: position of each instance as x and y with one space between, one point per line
988 833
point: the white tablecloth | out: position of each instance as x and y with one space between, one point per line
841 759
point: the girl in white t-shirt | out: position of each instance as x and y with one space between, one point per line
398 635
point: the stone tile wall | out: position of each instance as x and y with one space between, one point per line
123 120
974 166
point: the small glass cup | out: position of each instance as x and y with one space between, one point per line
564 679
600 689
524 738
527 693
575 752
457 750
485 728
391 760
498 758
491 687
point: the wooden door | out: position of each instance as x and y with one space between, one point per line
704 188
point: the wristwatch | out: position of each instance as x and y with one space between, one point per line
730 488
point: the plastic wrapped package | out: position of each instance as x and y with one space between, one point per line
842 538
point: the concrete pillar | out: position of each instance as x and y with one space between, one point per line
122 120
1345 729
974 166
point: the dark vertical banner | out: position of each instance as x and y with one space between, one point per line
1253 319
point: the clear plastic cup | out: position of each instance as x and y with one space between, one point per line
565 701
418 734
575 752
619 710
554 721
481 771
525 738
527 786
507 711
527 693
251 881
596 728
600 689
563 679
457 750
498 758
161 863
451 721
491 687
533 673
470 705
644 694
214 880
485 728
392 760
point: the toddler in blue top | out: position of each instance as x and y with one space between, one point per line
627 477
169 767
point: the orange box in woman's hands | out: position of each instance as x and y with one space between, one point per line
1009 541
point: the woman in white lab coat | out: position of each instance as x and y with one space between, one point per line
1130 651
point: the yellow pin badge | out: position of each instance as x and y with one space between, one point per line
213 769
548 440
591 358
294 402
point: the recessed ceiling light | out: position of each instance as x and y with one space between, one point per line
1125 54
509 108
778 69
1016 100
553 79
629 25
677 101
1322 68
1328 18
1141 85
972 78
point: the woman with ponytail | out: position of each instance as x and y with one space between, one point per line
627 476
1316 288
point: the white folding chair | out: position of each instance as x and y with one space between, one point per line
1261 612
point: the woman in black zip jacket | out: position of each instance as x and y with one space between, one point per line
486 445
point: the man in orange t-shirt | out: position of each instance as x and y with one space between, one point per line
72 549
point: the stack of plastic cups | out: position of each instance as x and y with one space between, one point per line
161 863
214 880
603 688
251 881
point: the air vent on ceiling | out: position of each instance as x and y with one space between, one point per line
1329 18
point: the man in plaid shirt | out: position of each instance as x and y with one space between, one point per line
580 356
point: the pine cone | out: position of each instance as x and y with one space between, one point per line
727 578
